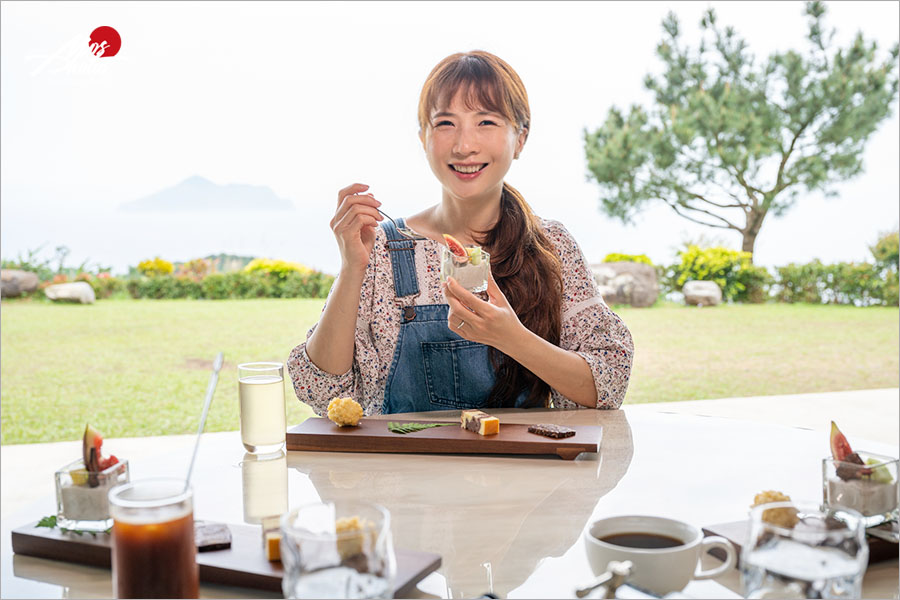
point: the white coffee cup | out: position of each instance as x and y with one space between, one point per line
659 570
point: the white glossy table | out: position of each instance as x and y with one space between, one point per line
509 525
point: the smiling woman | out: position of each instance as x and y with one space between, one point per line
396 339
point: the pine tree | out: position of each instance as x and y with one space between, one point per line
727 143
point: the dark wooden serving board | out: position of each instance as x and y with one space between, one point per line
738 533
372 435
244 564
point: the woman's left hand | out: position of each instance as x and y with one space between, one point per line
493 323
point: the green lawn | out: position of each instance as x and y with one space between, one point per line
137 368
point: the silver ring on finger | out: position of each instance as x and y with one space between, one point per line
461 323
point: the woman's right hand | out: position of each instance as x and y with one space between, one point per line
354 225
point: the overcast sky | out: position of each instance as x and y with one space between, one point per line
306 98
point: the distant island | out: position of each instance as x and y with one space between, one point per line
199 194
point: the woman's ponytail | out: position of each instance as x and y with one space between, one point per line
528 272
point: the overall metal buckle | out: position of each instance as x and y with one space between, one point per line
409 311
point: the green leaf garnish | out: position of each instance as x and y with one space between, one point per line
50 523
413 427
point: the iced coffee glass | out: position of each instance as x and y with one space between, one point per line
153 551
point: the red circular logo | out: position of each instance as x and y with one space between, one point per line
105 42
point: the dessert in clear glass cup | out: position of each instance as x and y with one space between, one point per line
819 553
82 498
861 481
470 271
872 489
340 549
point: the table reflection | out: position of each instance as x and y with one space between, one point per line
264 481
491 518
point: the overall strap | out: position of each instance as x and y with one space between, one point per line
403 263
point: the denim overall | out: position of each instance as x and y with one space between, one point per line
433 368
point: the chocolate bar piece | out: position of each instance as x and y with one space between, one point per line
551 431
211 536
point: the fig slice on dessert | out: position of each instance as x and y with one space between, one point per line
851 465
840 447
456 248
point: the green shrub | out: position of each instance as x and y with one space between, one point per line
265 280
887 251
216 286
187 287
757 282
733 270
106 285
854 283
219 286
254 285
891 295
887 260
311 285
801 283
860 284
638 258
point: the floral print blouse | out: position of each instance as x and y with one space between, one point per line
589 328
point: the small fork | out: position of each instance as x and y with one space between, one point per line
404 231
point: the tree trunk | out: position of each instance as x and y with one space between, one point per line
749 241
754 224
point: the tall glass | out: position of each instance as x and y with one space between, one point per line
153 550
823 555
261 390
341 549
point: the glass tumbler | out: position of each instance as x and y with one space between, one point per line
872 489
341 549
153 550
261 391
811 553
82 498
471 273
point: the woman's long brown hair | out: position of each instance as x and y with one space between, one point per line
523 260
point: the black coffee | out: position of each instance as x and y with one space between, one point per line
642 540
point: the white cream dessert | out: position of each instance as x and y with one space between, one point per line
83 503
866 496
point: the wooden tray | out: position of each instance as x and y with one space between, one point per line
738 532
244 564
372 435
